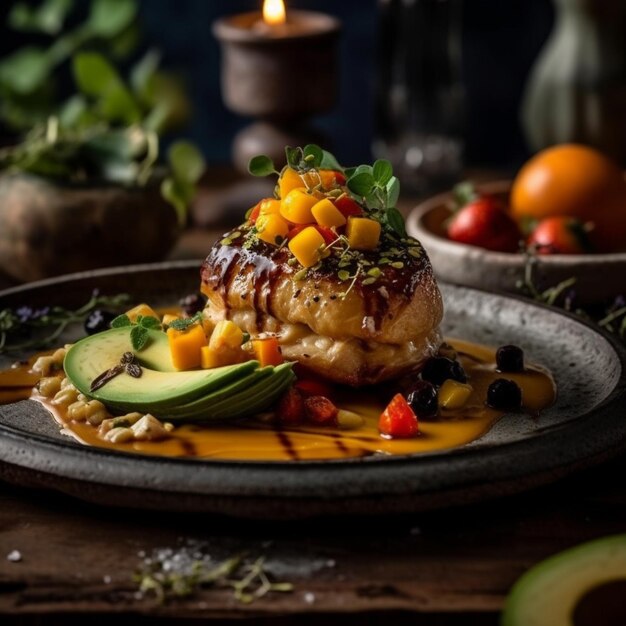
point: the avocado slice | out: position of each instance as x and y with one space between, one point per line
582 586
160 390
239 399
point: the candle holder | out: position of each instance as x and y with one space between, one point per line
279 74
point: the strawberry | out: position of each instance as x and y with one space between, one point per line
560 235
484 223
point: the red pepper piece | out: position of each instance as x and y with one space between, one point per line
348 206
311 387
290 409
398 420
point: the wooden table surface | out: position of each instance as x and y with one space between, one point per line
451 567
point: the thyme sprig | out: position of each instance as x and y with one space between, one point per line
248 580
30 328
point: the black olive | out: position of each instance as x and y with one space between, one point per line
504 395
439 368
192 304
98 320
510 359
422 398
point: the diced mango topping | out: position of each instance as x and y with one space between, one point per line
185 346
306 246
141 309
454 395
168 318
218 357
363 233
296 206
226 334
289 180
327 214
267 351
269 206
271 228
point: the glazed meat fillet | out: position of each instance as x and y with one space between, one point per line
358 318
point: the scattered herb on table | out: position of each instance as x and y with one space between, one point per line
248 579
31 328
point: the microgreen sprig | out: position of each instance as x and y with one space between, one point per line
303 160
16 324
379 189
139 328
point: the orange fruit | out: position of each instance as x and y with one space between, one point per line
578 181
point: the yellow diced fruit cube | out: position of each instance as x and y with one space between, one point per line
363 233
226 334
296 206
306 246
141 309
327 214
454 395
269 206
168 318
185 346
271 228
289 180
218 357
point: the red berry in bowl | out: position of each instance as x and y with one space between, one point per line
560 235
484 223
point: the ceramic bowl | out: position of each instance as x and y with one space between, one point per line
599 277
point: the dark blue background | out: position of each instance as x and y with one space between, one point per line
500 41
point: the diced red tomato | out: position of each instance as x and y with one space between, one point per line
398 420
340 178
290 409
348 206
296 229
255 213
320 410
327 233
312 387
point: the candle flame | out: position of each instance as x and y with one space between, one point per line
274 12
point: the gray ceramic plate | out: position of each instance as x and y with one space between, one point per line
587 424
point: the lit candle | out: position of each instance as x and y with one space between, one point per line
279 65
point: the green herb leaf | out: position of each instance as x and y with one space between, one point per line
393 191
143 72
149 321
382 172
329 162
261 165
121 321
361 183
108 18
313 155
293 156
138 337
184 323
245 338
395 221
24 71
186 161
179 195
48 18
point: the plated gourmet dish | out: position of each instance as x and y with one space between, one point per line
319 338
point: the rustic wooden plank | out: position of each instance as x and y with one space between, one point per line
79 558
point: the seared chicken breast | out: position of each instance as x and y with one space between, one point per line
357 318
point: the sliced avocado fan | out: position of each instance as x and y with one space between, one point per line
220 393
583 586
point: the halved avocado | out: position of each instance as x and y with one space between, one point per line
161 390
583 586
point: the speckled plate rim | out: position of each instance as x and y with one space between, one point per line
262 489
